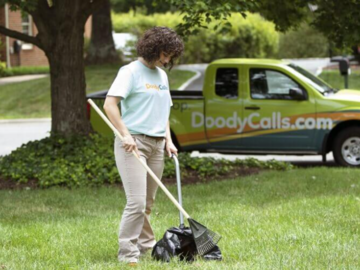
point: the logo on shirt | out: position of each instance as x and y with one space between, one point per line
156 87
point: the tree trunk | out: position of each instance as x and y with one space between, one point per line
102 47
68 87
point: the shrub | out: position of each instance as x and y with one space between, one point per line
250 37
81 161
2 64
15 71
2 69
303 42
74 161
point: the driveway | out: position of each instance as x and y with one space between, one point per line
14 133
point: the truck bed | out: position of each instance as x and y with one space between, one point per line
175 94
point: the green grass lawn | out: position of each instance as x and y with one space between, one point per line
334 78
31 99
300 219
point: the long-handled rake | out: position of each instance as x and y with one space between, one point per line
205 239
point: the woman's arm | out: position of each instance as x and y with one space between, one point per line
112 111
169 145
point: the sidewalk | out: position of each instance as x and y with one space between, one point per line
22 78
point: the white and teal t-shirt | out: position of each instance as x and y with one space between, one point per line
146 100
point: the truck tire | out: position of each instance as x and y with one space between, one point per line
347 147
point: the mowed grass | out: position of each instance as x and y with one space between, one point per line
31 99
334 78
300 219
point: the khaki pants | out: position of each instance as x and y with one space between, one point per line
136 235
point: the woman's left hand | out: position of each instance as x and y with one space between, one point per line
170 148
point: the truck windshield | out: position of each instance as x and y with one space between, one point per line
314 81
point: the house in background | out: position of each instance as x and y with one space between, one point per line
16 53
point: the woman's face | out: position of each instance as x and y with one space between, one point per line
163 60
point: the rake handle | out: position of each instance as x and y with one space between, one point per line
156 179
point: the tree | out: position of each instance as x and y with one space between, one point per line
60 25
146 6
102 47
337 20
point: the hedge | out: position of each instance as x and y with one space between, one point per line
251 37
89 161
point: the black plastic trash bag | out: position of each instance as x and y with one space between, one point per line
179 242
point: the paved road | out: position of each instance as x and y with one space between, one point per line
14 133
197 82
301 161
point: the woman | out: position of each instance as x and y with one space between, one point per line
143 89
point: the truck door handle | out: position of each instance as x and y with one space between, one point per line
254 108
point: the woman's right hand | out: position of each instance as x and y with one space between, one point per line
129 144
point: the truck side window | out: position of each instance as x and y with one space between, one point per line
271 84
227 82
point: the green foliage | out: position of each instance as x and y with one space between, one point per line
250 37
2 64
142 6
16 71
293 44
336 19
88 161
74 161
198 14
2 69
208 168
285 14
138 23
20 5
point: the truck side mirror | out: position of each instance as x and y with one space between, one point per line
297 94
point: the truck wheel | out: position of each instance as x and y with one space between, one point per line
347 147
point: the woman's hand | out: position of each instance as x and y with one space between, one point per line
170 148
129 144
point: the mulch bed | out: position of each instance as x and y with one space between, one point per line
192 178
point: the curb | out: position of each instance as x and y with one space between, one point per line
21 78
30 120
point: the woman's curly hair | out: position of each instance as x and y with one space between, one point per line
160 39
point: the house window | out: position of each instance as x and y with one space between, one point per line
26 24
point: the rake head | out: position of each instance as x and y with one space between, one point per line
204 238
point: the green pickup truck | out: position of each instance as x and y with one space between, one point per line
259 106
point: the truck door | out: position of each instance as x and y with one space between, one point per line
223 106
279 112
